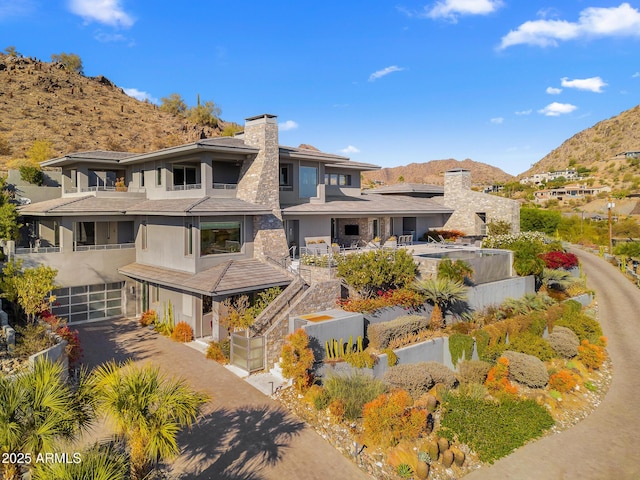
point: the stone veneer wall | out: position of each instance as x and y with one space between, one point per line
259 184
466 203
319 297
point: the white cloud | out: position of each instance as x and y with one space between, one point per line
288 125
556 109
621 21
593 84
524 112
385 71
350 149
108 12
635 75
554 91
497 120
109 37
140 95
451 9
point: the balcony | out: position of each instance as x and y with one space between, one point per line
183 187
28 250
109 246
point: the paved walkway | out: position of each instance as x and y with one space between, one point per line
244 434
606 445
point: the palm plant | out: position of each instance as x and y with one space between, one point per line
100 462
457 271
557 279
147 409
442 293
38 410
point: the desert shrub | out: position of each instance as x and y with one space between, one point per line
498 379
585 327
482 339
537 322
32 174
493 429
460 347
380 334
32 338
317 396
392 358
531 345
440 373
527 369
389 419
411 339
354 391
564 342
563 381
361 359
336 409
219 351
403 297
297 359
182 332
148 318
591 355
473 371
410 377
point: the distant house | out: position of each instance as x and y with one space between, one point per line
568 192
540 178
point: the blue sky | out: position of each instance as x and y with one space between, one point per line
499 81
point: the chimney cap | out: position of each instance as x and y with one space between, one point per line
265 116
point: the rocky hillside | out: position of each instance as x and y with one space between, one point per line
433 172
43 101
596 146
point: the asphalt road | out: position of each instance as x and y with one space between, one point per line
606 445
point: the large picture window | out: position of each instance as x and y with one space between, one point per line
219 237
308 182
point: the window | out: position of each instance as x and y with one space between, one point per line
344 180
159 176
143 235
184 175
352 230
308 182
188 247
337 179
285 179
142 178
219 238
85 233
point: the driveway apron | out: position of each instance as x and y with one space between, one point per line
605 445
243 434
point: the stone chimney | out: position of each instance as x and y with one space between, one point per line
456 181
259 184
259 176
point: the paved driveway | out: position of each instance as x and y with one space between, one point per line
606 445
244 435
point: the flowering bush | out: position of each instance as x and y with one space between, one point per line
451 235
497 379
556 259
505 241
403 297
148 318
73 349
182 332
563 381
390 418
591 355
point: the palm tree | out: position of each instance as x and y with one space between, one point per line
442 293
38 409
457 271
147 409
99 462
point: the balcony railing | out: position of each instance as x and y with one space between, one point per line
104 188
225 186
27 250
190 186
110 246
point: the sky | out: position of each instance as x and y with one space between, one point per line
502 82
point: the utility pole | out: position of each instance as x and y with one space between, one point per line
610 206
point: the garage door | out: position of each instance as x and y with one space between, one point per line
88 302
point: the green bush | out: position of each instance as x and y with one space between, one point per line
380 334
526 369
460 347
354 391
531 344
473 371
492 429
376 270
32 174
410 377
537 220
585 327
564 342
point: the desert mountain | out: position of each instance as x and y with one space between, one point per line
433 172
43 101
596 147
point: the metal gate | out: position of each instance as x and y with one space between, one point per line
247 353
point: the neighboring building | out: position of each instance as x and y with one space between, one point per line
191 225
568 192
540 178
629 154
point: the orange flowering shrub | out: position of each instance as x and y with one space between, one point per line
297 359
182 332
563 381
591 355
336 408
149 317
403 297
498 379
390 418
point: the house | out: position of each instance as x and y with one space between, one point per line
540 178
186 227
568 192
471 211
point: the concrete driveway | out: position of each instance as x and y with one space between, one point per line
243 435
606 445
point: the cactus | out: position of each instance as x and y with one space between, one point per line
424 457
433 450
422 470
328 351
359 343
458 456
350 344
447 458
404 470
432 403
341 348
443 444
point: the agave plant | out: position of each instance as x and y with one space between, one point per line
442 293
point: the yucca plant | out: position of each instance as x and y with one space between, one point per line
442 293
